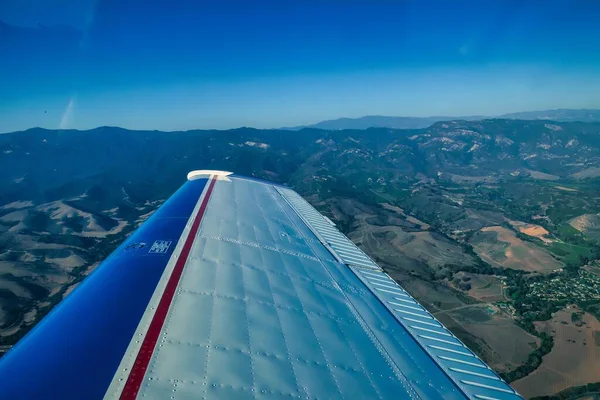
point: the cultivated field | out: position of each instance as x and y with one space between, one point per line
484 288
588 224
409 218
574 359
532 230
500 247
498 340
434 296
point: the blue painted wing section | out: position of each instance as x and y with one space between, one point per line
75 351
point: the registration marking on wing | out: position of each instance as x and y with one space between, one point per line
160 247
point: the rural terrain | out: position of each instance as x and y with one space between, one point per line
494 225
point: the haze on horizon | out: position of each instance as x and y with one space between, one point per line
172 65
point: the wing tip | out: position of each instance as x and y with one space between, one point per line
200 173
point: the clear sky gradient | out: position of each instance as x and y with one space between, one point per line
176 64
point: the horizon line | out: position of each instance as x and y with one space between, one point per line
311 126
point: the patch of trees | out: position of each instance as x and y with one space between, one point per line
592 307
442 273
595 250
576 316
82 242
38 221
11 255
461 284
75 223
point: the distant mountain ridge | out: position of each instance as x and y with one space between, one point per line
380 121
559 115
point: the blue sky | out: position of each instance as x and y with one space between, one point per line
177 64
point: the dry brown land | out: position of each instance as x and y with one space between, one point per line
483 327
591 172
409 218
532 230
32 265
394 238
594 269
541 175
585 222
484 288
566 189
573 361
433 296
511 252
470 179
493 335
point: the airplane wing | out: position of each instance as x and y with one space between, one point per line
239 288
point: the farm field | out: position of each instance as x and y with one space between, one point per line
573 360
501 247
484 288
489 329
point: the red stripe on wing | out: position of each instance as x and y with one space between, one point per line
136 376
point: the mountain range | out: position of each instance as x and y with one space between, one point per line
377 121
